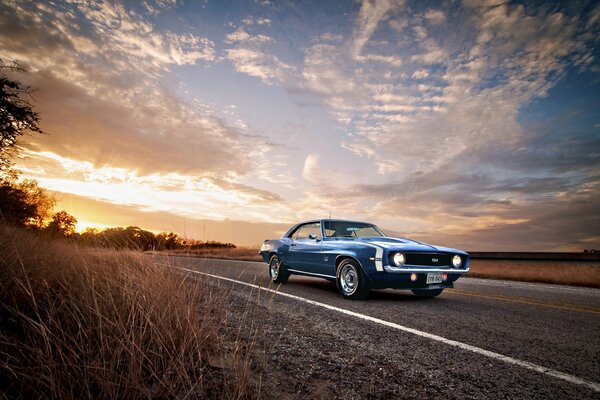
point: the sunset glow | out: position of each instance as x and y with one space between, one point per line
474 124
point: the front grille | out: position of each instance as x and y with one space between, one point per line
427 259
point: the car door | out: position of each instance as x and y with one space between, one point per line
305 249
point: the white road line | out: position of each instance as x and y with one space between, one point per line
525 364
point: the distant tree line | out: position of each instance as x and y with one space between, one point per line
135 238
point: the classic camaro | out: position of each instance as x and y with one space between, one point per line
359 257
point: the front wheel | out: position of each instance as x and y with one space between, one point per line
427 294
277 271
351 281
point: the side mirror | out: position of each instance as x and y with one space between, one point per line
312 236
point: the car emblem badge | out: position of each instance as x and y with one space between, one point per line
434 260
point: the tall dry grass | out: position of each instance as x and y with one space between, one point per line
77 323
236 253
577 273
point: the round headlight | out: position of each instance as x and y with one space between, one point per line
456 261
399 259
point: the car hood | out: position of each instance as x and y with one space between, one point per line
404 244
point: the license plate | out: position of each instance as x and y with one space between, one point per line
434 278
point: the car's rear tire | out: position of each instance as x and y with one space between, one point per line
351 281
427 293
277 271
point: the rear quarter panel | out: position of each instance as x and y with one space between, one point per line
275 246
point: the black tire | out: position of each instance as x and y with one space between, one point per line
351 281
277 271
427 293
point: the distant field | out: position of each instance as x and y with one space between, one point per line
527 267
237 253
578 273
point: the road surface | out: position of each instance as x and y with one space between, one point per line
485 338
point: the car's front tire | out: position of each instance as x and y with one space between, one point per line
351 281
277 271
426 293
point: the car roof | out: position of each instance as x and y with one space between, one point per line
310 221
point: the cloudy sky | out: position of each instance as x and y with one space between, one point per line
470 123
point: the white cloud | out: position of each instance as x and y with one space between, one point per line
370 14
435 17
311 171
256 21
391 60
420 74
182 195
255 63
240 35
434 54
251 57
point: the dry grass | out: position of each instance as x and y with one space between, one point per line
78 323
578 273
237 253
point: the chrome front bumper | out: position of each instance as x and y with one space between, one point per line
410 269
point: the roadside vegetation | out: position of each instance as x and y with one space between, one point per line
576 273
225 253
85 323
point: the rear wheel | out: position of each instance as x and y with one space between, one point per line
426 293
277 271
351 281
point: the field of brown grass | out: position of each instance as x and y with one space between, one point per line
577 273
236 253
83 323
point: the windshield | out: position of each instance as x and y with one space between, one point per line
349 229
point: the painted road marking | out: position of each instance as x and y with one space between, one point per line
497 356
511 299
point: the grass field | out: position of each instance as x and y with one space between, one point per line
84 323
236 253
578 273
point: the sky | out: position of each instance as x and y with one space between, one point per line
471 124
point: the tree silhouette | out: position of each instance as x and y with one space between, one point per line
16 113
24 203
15 210
62 224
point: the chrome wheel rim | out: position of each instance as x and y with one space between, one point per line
348 279
274 269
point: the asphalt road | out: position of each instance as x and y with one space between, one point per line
553 327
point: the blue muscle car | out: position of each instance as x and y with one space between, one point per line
359 257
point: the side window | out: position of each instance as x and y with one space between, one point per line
329 229
305 230
294 235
